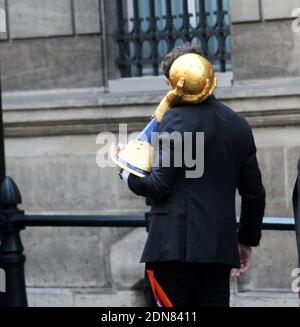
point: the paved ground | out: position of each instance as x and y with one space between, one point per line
264 299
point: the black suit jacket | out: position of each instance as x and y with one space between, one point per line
195 219
296 203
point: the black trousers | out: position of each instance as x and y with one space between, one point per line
190 284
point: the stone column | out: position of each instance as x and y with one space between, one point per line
111 10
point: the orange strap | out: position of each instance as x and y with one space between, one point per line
158 292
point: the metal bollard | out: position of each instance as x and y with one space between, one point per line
11 248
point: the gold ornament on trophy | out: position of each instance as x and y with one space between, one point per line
192 79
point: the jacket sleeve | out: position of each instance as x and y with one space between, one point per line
252 193
295 199
158 185
296 202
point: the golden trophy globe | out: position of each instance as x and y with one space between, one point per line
192 79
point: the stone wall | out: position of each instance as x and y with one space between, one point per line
264 44
51 44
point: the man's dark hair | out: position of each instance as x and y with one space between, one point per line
176 53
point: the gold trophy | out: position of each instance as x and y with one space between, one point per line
192 79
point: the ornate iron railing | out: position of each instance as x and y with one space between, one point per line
149 29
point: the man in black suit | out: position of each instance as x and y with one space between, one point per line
193 242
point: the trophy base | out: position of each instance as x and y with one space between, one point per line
135 158
131 169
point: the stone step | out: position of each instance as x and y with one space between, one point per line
265 299
97 297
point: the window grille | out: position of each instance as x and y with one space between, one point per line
149 29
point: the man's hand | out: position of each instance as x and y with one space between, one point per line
245 260
114 150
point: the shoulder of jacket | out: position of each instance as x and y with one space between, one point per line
173 120
233 116
173 113
237 124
